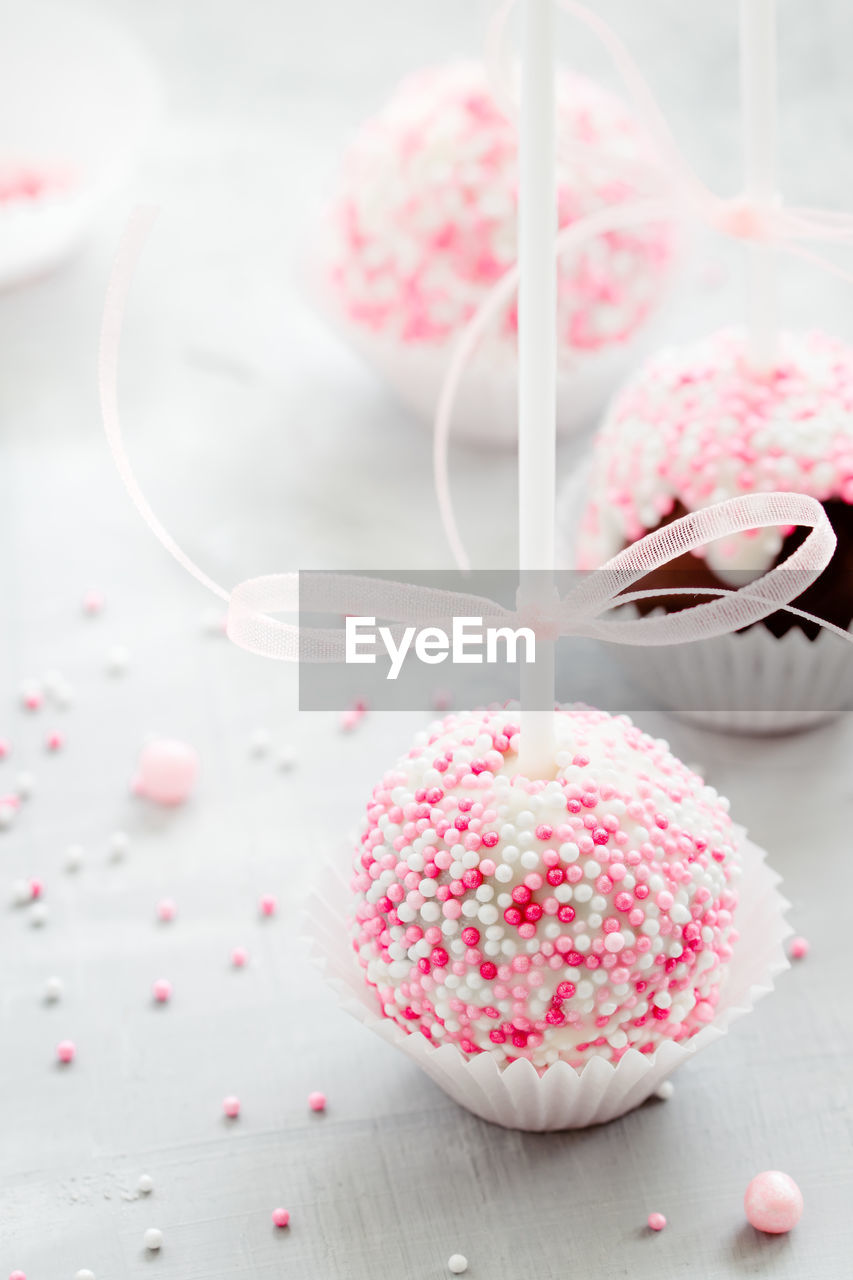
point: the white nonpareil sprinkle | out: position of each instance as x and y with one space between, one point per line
153 1239
457 1264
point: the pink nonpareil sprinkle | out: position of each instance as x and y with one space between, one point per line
166 910
32 699
656 1221
799 948
54 741
162 990
317 1101
280 1217
5 748
239 957
353 716
93 603
66 1051
268 905
231 1107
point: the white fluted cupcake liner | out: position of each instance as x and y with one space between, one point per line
517 1096
749 682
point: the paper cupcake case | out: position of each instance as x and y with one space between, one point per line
517 1096
747 682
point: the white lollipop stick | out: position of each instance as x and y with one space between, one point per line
537 350
758 105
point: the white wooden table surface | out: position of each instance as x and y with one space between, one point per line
263 446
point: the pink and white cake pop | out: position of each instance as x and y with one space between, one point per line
698 424
558 920
426 223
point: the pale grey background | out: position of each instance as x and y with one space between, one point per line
264 446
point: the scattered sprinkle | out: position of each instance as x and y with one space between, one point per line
66 1051
281 1217
773 1202
799 948
260 742
657 1222
166 910
665 1091
119 845
22 893
457 1264
317 1101
32 696
39 915
145 1185
54 741
25 785
53 990
268 905
166 771
74 857
239 957
118 660
153 1239
5 748
162 990
231 1107
93 604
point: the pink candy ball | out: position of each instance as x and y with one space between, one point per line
66 1051
239 957
773 1202
280 1217
657 1221
268 905
231 1107
162 990
317 1101
799 948
166 771
166 910
17 1275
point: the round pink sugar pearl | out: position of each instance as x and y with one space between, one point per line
799 948
231 1107
166 910
239 957
268 905
93 603
166 771
280 1217
162 990
317 1101
773 1202
17 1275
54 741
657 1221
66 1051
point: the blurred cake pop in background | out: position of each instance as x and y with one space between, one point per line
77 98
425 224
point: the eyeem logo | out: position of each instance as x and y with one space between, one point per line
468 642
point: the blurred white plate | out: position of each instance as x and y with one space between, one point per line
76 100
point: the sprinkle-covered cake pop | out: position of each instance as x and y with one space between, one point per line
698 425
549 920
426 221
